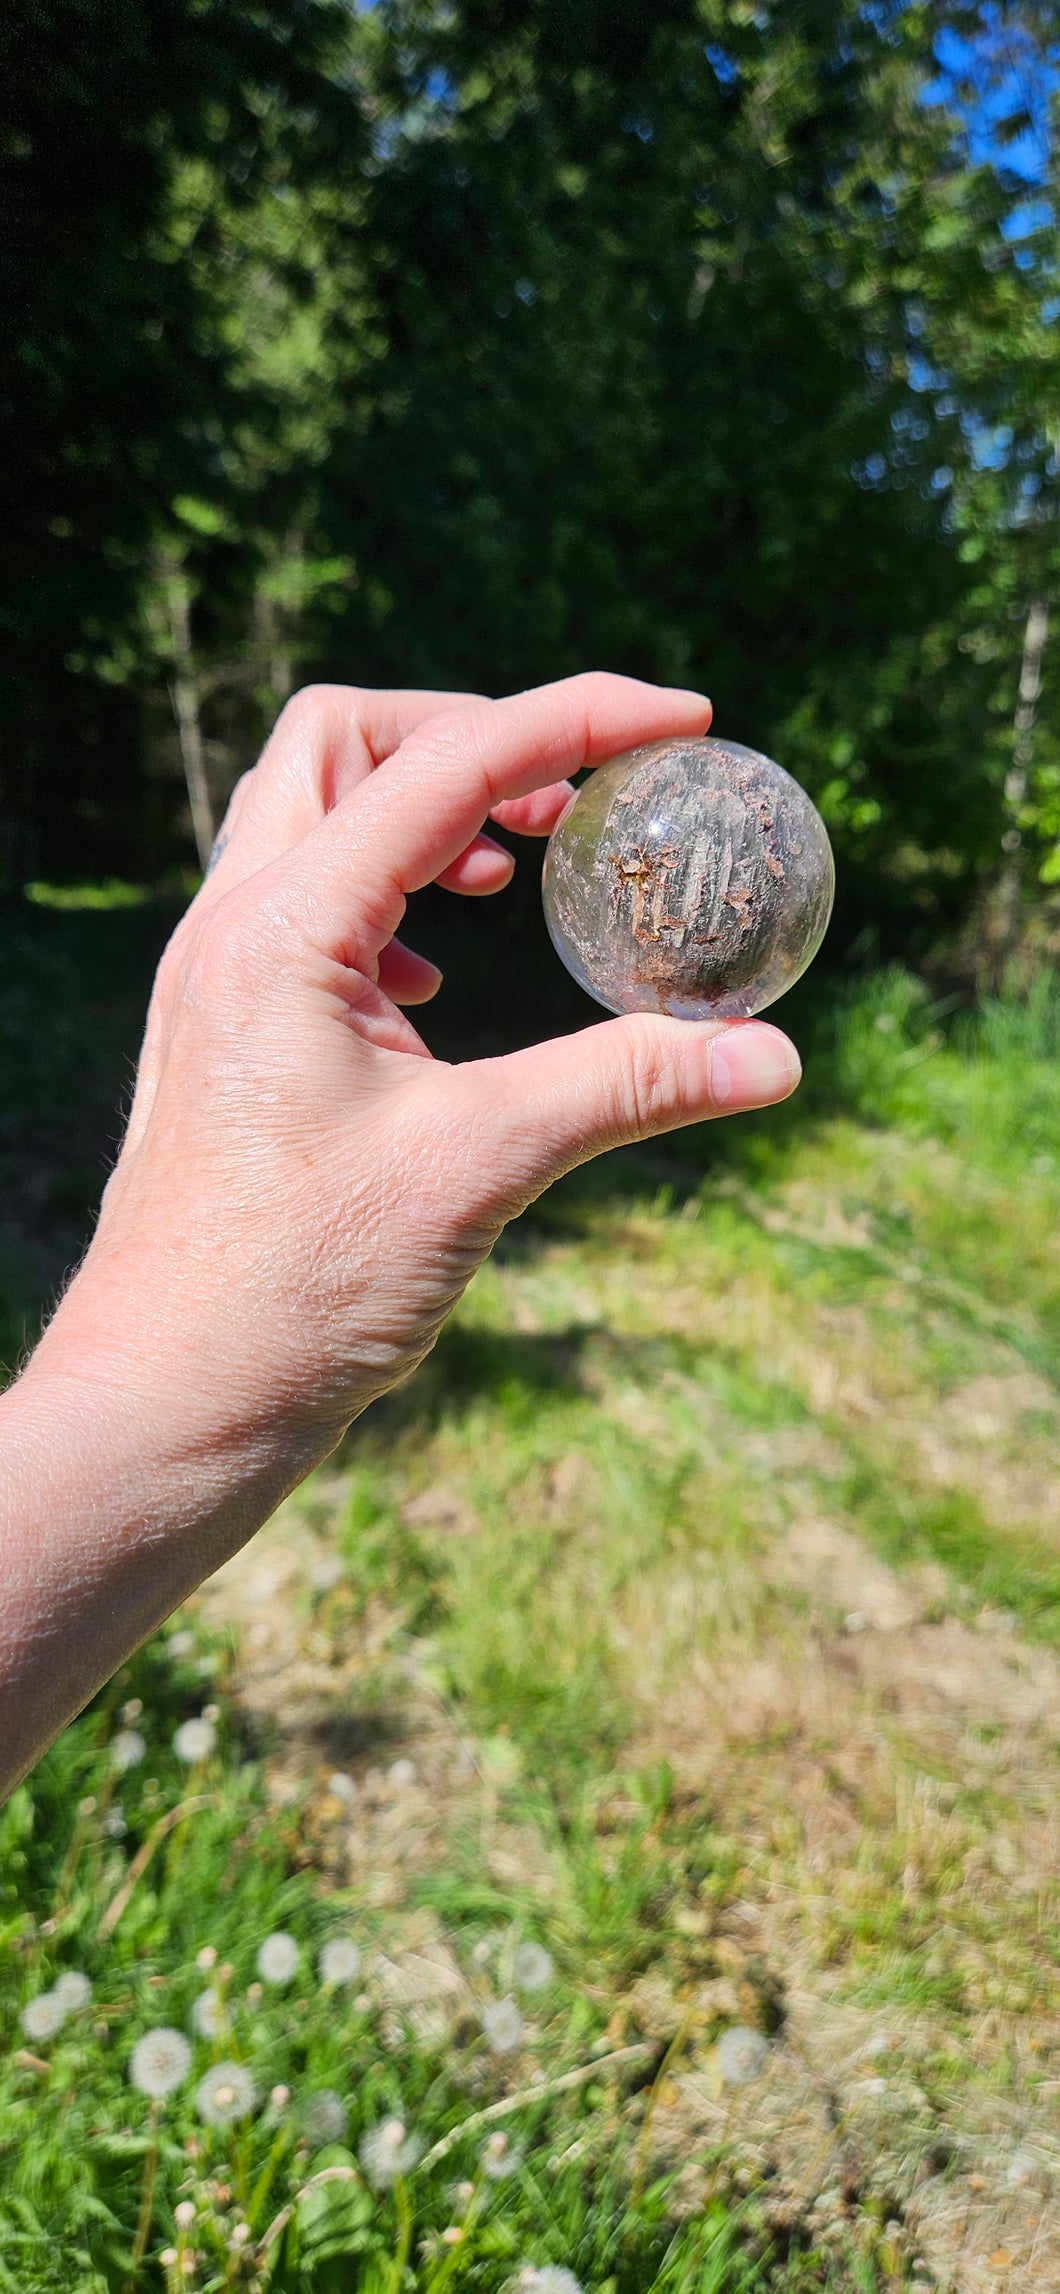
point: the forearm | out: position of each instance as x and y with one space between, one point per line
111 1512
303 1192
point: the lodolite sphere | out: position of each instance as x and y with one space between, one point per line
692 877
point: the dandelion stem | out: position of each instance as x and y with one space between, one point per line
403 2204
456 2255
147 2199
582 2077
70 1863
674 2049
280 2221
264 2182
120 1903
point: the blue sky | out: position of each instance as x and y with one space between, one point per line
1003 77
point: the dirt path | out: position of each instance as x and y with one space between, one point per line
870 2104
856 2113
673 1459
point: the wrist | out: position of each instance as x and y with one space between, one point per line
119 1495
171 1352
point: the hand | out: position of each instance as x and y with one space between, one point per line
303 1191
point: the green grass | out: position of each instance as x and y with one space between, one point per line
80 2145
579 1546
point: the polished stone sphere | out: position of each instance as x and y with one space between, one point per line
692 877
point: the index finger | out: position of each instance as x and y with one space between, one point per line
408 821
326 740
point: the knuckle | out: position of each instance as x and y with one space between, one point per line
470 726
240 793
307 706
596 686
650 1082
311 715
226 946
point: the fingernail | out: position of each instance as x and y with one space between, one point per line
752 1066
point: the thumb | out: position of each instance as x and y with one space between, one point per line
559 1103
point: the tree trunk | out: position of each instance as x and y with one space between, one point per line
279 667
184 694
1009 900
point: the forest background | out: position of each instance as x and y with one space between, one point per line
692 1617
471 344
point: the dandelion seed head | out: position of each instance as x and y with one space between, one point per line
532 1967
206 1958
278 1958
388 2151
742 2055
73 1990
160 2061
401 1773
550 2279
42 2017
503 2026
182 1643
240 2233
225 2094
208 2015
114 1824
341 1786
324 2117
184 2214
131 1710
500 2158
340 1960
195 1740
127 1750
279 2097
169 2258
486 1948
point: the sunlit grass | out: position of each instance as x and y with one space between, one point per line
159 1884
708 1484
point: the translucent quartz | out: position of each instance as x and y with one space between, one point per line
690 877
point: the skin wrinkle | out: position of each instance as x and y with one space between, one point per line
303 1192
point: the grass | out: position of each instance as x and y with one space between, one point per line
691 1614
153 1911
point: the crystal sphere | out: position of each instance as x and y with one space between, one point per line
692 877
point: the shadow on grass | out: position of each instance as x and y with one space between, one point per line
74 987
520 1370
469 1366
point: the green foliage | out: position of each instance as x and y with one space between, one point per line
155 1883
467 345
882 1040
137 132
658 1380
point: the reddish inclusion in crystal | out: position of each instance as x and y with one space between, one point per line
689 877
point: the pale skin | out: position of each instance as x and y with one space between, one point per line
303 1192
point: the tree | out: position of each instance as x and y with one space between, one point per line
652 286
117 385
